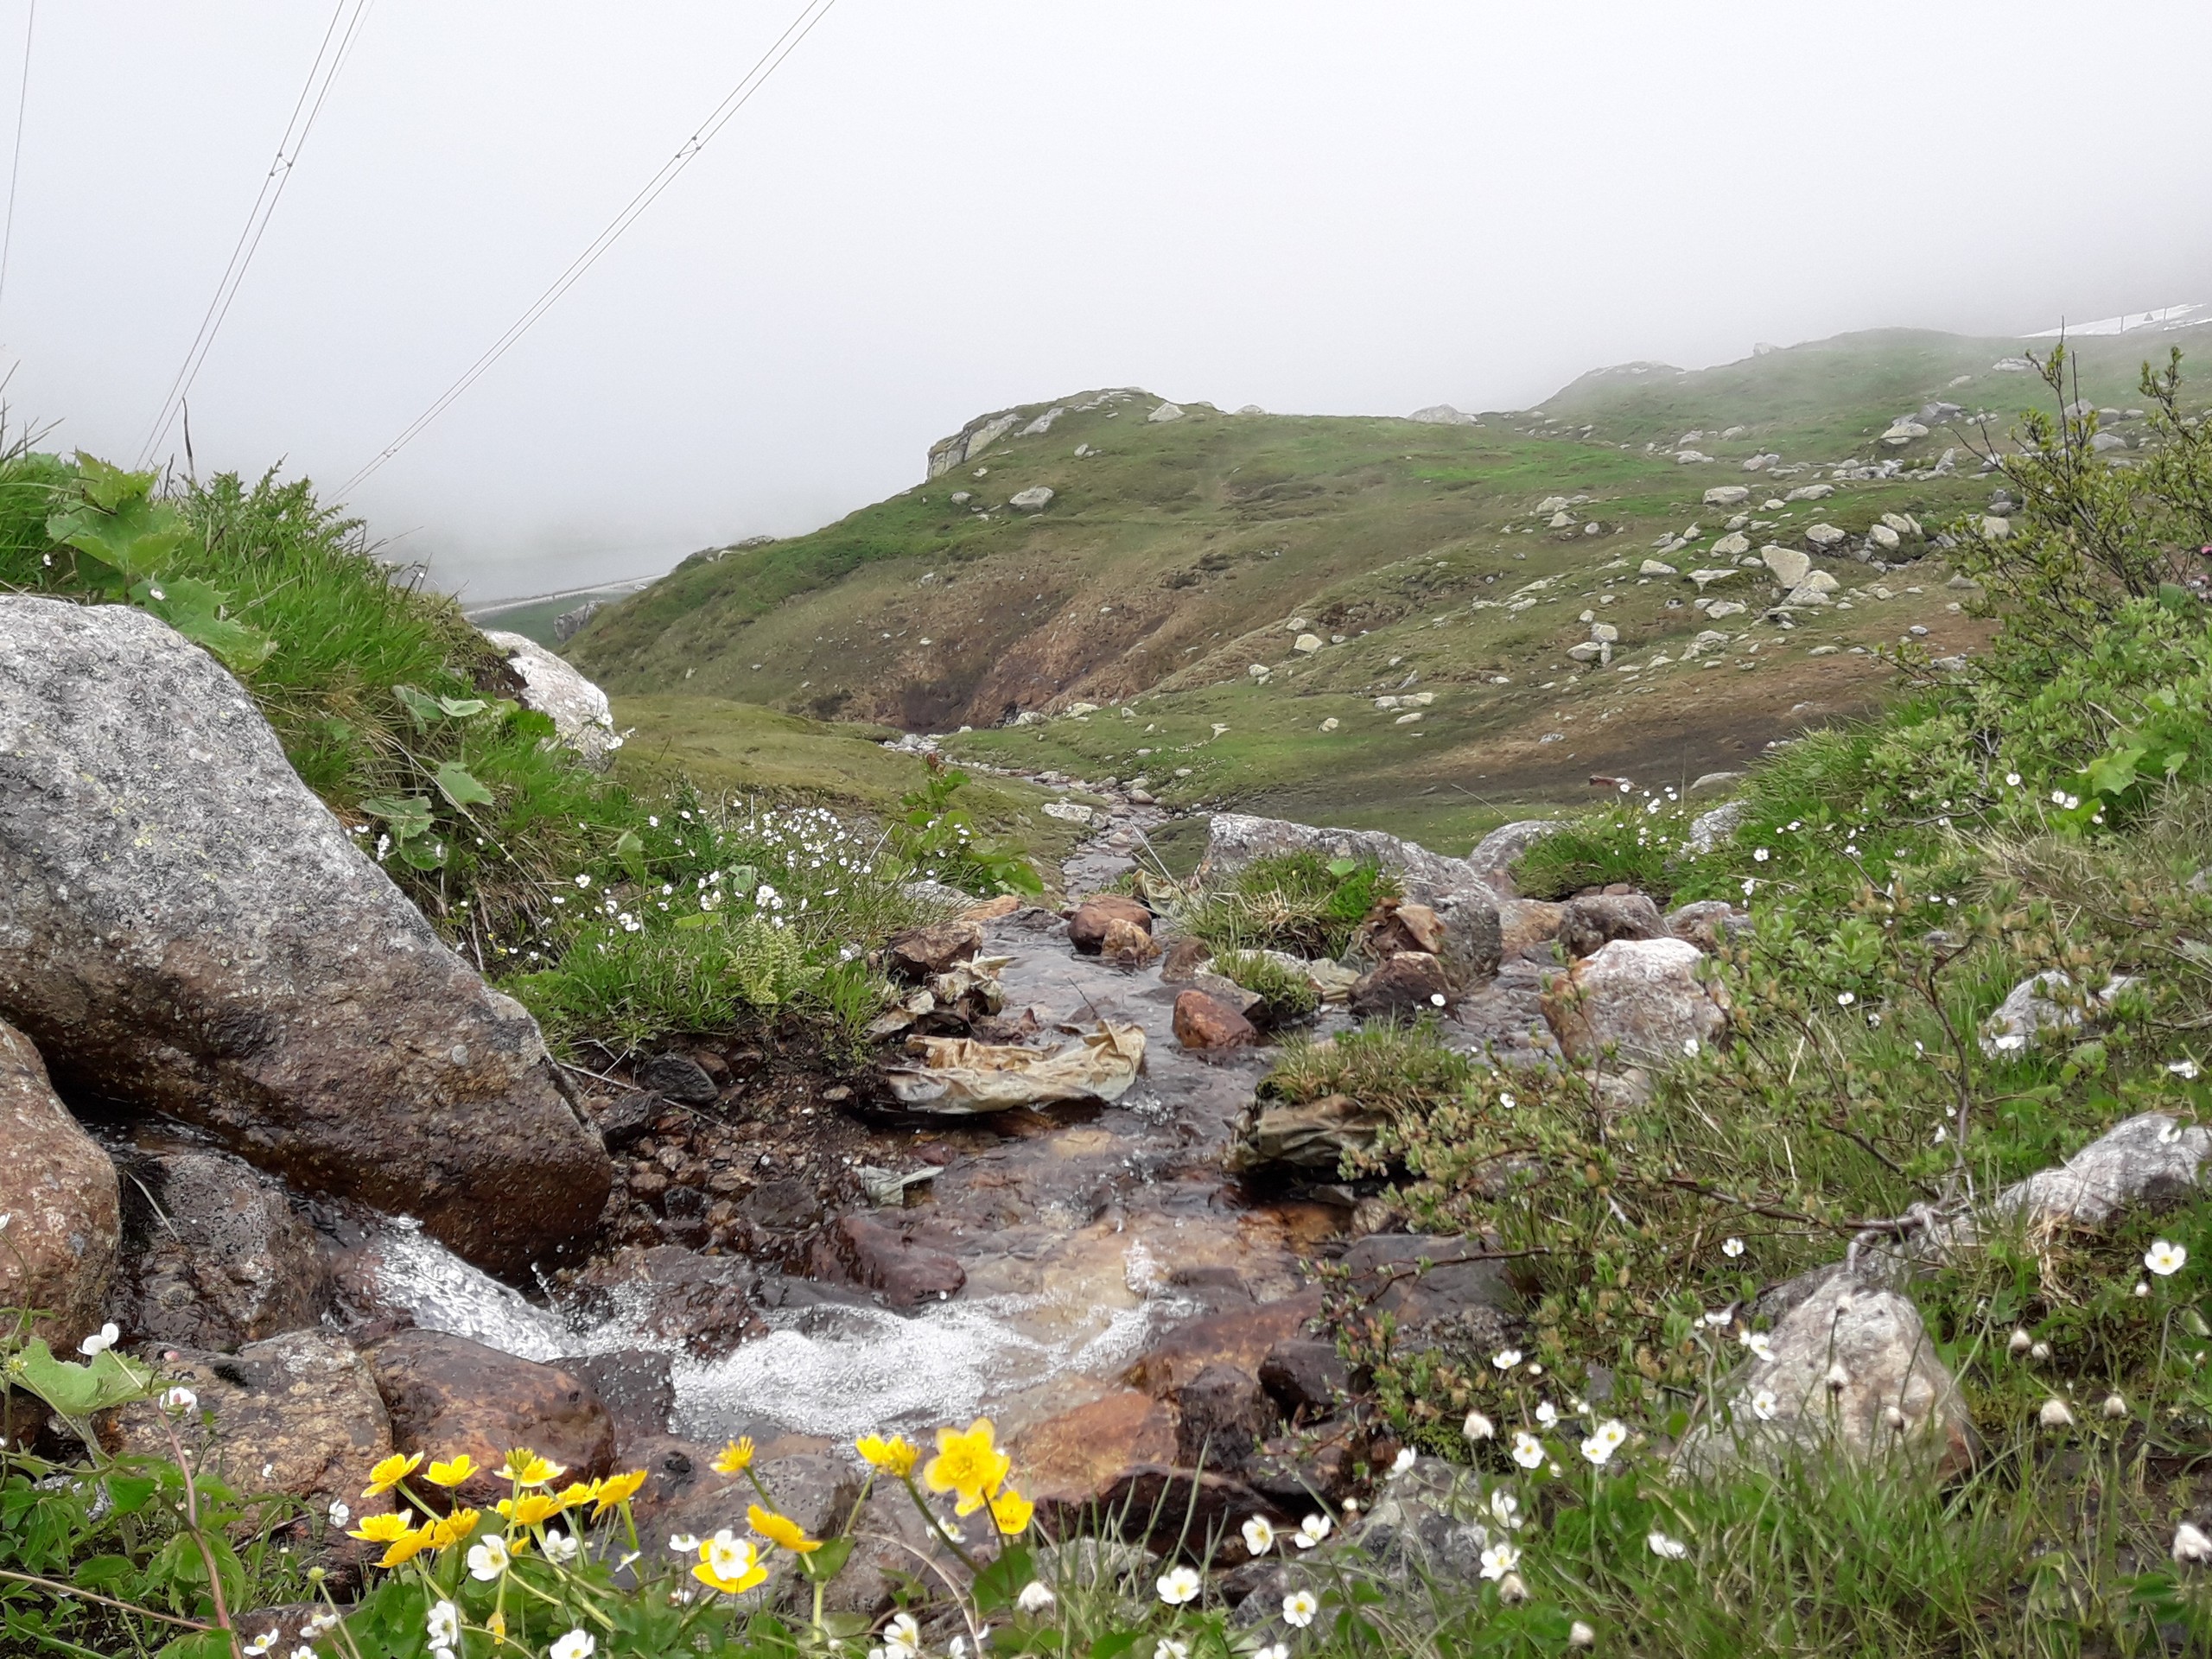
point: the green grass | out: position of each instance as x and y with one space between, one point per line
1295 902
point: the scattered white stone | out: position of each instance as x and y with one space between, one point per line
1883 537
1166 412
1825 534
1655 568
1066 811
1903 432
1043 424
1032 500
1790 566
1732 545
1810 493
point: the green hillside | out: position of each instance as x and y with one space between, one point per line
1174 555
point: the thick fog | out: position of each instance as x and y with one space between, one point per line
936 208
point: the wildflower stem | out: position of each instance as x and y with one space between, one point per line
936 1525
75 1593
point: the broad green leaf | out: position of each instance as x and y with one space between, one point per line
462 708
420 705
195 610
108 487
78 1390
420 855
824 1564
2114 774
406 817
457 786
95 1571
135 542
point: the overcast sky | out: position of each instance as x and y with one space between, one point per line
937 208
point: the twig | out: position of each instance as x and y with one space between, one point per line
72 1590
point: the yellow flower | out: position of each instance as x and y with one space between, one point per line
380 1528
389 1472
616 1489
894 1456
1011 1511
780 1530
736 1457
967 1463
406 1546
454 1471
578 1491
531 1509
526 1468
729 1564
454 1529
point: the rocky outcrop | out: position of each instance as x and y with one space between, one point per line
185 928
1642 996
1493 856
1708 923
972 439
2041 1006
59 1191
213 1255
1408 985
578 709
1237 839
2150 1162
446 1394
1587 925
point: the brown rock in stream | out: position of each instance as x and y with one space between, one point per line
1126 945
1186 958
1205 1022
1409 984
59 1251
446 1395
920 952
1087 926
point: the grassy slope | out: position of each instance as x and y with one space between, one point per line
1171 561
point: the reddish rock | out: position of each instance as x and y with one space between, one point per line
703 1301
915 954
991 910
59 1252
1305 1376
1202 1021
1222 1416
637 1387
1241 1337
446 1395
1067 1461
1587 925
1412 983
1185 959
886 1258
1087 926
1394 925
1525 922
1126 945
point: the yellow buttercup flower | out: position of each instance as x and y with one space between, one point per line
780 1530
1010 1512
729 1564
967 1463
736 1457
454 1529
406 1546
453 1471
578 1491
896 1456
616 1489
526 1468
531 1509
389 1472
380 1528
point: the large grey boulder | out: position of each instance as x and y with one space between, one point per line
1237 839
1852 1369
2041 1005
2149 1162
185 928
578 709
1642 997
1709 829
58 1190
1493 856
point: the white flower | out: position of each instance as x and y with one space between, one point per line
2185 1070
902 1637
1311 1531
683 1542
1844 999
1527 1450
2011 780
1749 886
2165 1259
1760 856
729 1556
1259 1535
1732 1248
1036 1596
489 1560
328 1619
100 1341
1665 1548
1547 1413
444 1624
1506 1101
1179 1585
1273 1651
340 1514
2055 1414
1477 1427
1760 1344
2169 1132
1436 999
178 1399
1168 1648
262 1643
1579 1634
1298 1608
1604 1439
2142 1287
2059 797
1764 1405
1505 1358
1403 1461
561 1547
1837 1379
576 1644
2019 1343
583 881
1505 1509
2115 1407
1499 1560
2191 1547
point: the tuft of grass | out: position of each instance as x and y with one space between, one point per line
1405 1070
1287 996
1295 902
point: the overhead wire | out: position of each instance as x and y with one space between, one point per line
15 167
337 44
784 44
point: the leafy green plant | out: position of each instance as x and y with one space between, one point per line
935 837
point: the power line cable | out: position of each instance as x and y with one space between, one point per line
15 167
330 57
784 44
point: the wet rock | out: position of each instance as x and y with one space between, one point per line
298 1413
1495 854
1126 945
1311 1136
1205 1022
1184 960
191 932
445 1393
1087 926
1641 996
1222 1417
886 1258
1707 923
1227 992
685 1493
678 1077
1523 922
2149 1163
1241 1337
638 1388
785 1206
1471 942
1442 1291
624 1119
1305 1377
2043 1004
674 1295
214 1253
895 1548
1845 1358
1412 983
1587 925
1506 1019
920 952
59 1252
1068 1461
